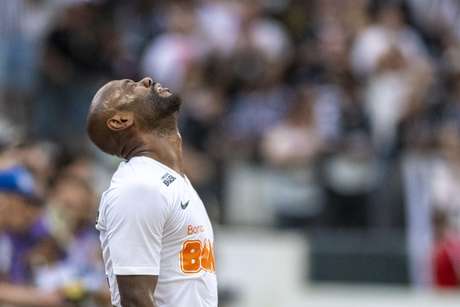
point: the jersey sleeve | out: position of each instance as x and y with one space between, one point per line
135 220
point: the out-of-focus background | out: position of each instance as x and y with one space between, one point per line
322 135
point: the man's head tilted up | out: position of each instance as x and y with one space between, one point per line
127 118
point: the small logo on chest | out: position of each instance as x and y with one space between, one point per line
168 179
184 205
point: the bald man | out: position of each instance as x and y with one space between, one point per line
156 237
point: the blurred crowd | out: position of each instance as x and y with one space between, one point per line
361 95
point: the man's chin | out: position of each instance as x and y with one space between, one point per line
170 105
175 102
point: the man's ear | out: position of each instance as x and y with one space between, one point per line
120 121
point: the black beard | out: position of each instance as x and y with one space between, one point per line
166 106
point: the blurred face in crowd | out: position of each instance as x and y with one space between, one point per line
450 142
18 213
123 109
391 16
75 201
180 20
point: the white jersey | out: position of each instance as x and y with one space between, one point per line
152 222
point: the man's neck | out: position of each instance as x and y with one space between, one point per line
165 148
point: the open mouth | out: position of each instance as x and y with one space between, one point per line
162 91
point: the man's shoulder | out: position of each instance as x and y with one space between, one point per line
135 187
141 180
140 172
135 195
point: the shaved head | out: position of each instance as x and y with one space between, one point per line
122 110
109 96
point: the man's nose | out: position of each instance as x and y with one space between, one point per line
147 82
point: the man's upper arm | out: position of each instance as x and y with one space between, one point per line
136 290
135 220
